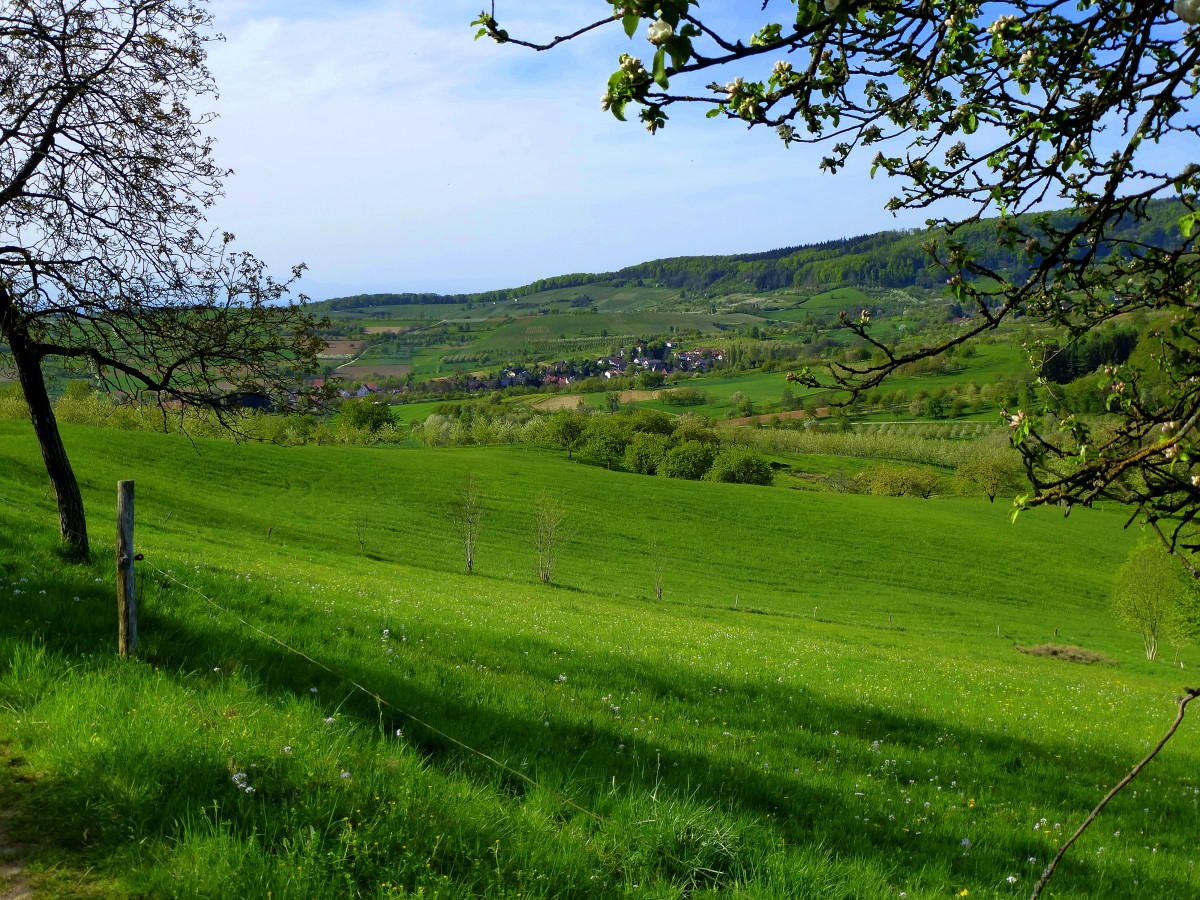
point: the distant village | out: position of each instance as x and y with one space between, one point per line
651 364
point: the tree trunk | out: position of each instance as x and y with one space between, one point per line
72 524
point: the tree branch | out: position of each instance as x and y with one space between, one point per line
1192 694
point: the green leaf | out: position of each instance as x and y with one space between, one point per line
660 68
807 13
713 113
1188 223
971 124
630 21
680 49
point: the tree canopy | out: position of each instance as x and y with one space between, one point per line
106 261
1153 598
987 115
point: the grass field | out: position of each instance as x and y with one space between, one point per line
828 702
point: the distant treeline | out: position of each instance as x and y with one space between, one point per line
366 301
1063 364
886 259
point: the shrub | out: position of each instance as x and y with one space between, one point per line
990 472
364 415
435 432
898 481
606 438
738 465
12 402
653 421
691 460
692 427
684 396
645 452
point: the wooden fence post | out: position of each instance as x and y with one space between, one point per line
126 593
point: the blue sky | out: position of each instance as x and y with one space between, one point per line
377 142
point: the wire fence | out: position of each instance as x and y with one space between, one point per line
384 702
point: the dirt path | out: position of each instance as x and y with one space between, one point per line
13 884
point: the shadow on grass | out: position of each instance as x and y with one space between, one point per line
580 760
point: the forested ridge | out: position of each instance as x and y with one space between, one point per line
888 259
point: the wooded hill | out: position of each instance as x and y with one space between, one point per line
885 259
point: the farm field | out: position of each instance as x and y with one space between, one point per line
828 701
498 342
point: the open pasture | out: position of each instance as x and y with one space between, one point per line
607 298
558 331
828 702
824 306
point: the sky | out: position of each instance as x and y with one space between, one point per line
378 143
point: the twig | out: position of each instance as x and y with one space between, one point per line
1191 694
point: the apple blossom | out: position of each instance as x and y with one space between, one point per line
659 32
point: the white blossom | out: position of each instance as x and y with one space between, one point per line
1001 23
1188 10
631 64
831 5
659 32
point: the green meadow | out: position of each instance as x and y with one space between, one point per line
829 701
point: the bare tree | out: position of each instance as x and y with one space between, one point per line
657 567
362 525
105 179
551 516
466 511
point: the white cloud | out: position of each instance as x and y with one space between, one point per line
385 147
